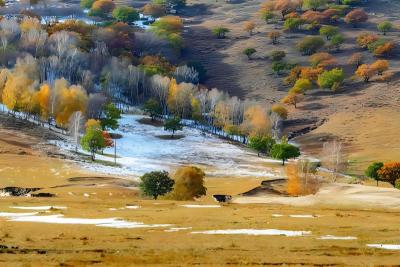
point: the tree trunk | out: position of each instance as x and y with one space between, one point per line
283 162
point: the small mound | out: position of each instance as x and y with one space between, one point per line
170 137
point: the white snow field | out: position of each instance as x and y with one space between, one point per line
140 151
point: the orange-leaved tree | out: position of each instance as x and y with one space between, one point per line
390 172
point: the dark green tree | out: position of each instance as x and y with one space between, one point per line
372 171
111 117
261 144
173 125
156 183
284 151
152 107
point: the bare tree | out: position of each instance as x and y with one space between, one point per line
75 127
332 158
95 106
186 74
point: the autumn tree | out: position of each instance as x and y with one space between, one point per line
356 16
380 66
390 172
365 39
189 183
383 50
102 8
249 26
356 59
301 86
292 99
322 59
280 110
286 6
366 72
154 10
274 36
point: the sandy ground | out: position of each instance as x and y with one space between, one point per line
82 195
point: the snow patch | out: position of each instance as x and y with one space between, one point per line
332 237
254 232
106 222
177 229
201 206
383 246
39 207
12 214
303 216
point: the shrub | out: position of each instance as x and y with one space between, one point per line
329 31
249 52
365 39
366 72
310 44
293 24
322 59
331 79
356 59
125 14
385 26
337 40
280 67
249 27
277 55
274 36
313 4
385 49
380 66
356 16
220 32
156 184
189 184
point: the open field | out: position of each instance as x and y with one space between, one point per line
335 233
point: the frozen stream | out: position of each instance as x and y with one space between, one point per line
140 151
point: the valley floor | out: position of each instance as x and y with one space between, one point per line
134 231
